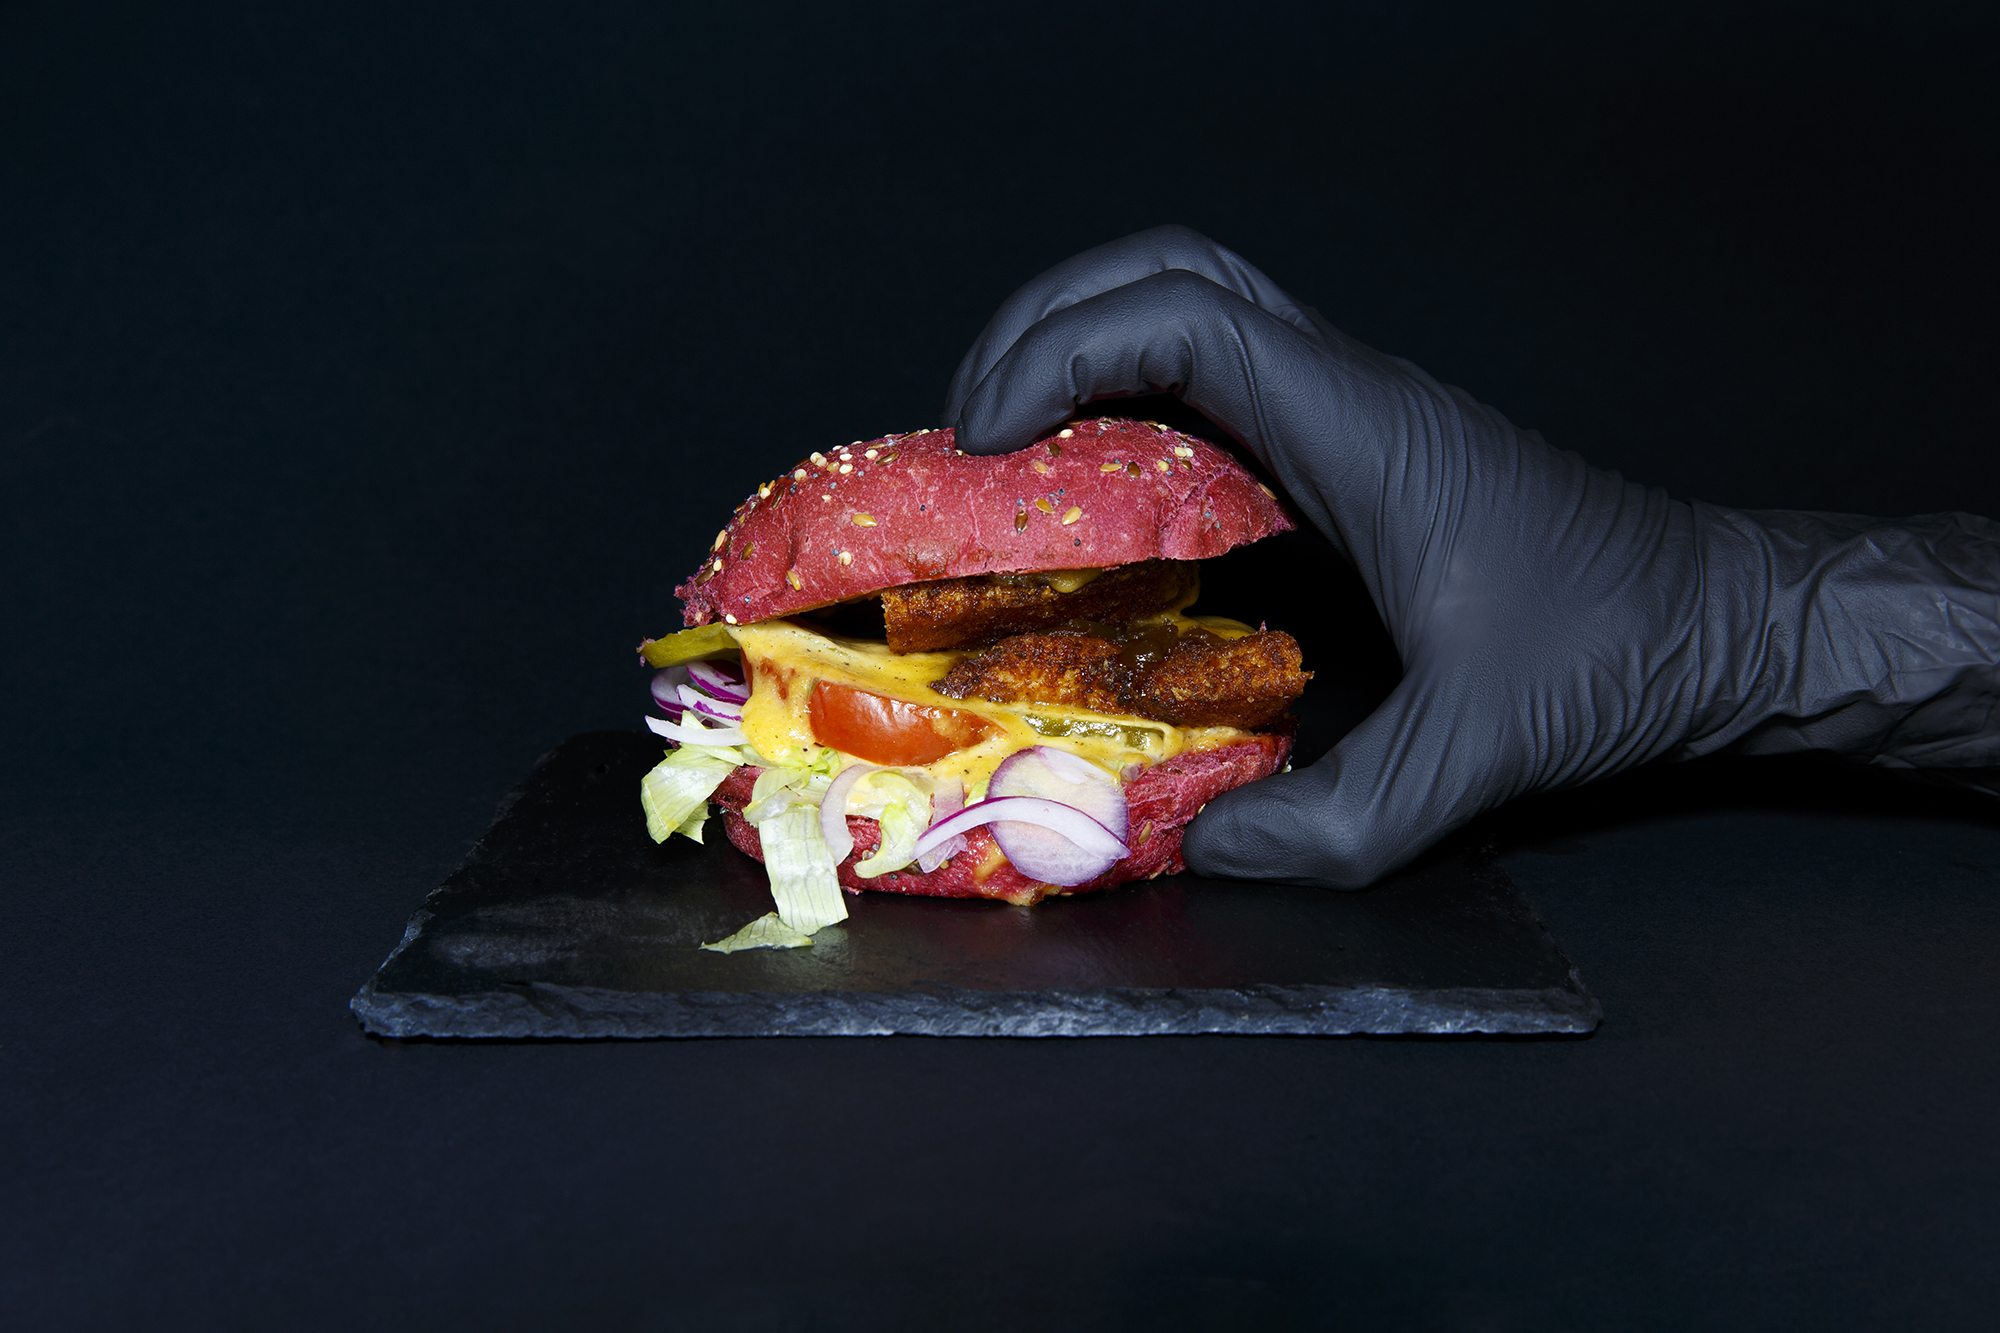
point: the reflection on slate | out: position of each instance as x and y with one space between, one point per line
566 920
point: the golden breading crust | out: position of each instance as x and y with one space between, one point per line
950 613
1247 682
1078 670
1200 681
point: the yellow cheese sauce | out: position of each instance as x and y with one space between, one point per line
792 657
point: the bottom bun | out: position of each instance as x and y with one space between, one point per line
1161 800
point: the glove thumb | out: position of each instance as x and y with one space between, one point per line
1393 786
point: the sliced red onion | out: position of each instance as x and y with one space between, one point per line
1043 854
941 853
666 690
1057 843
833 810
723 682
1058 775
947 801
693 733
707 707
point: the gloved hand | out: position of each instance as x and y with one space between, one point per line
1556 623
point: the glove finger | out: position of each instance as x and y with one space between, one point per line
1403 779
1128 259
1174 331
1366 448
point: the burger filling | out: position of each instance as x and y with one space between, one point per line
1019 702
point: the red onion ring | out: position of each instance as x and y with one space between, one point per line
707 707
696 734
833 810
666 690
947 801
1082 849
1058 775
721 682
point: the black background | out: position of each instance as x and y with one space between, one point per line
368 377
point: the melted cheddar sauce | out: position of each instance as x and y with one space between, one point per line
784 659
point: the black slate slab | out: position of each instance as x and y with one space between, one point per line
566 920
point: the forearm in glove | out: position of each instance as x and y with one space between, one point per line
1556 623
1857 636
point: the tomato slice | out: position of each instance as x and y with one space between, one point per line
892 732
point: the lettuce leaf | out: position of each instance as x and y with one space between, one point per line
784 805
815 759
780 789
800 868
675 793
692 825
766 932
901 808
802 876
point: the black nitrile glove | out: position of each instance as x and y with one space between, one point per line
1556 623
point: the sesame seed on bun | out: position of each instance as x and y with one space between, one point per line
912 508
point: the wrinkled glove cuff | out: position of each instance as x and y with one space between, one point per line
1849 635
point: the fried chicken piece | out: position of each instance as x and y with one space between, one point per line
1196 680
1078 670
1247 682
951 613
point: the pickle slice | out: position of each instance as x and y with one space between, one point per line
689 644
1137 738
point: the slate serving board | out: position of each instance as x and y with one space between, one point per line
566 920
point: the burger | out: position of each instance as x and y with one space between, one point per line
913 670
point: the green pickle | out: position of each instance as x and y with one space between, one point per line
689 644
1137 738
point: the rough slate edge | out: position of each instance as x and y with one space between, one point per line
540 1010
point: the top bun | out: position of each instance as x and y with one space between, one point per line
910 508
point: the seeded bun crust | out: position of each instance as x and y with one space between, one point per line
1161 801
910 508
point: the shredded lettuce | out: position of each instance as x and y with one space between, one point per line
676 792
692 825
779 789
811 758
728 754
784 807
890 786
903 810
767 932
800 868
802 876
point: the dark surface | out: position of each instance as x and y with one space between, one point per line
368 376
566 920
